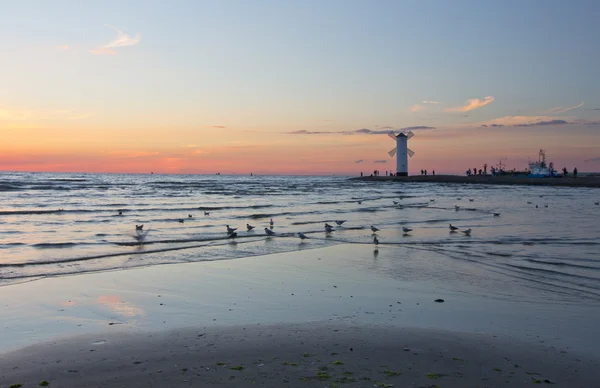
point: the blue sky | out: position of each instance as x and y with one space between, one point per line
279 66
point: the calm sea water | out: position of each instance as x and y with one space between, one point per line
545 239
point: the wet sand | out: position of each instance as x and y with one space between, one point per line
301 355
583 181
277 320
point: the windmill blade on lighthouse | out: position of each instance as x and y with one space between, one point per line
392 152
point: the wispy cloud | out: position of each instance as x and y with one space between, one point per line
542 123
362 131
63 47
305 132
122 40
433 102
562 109
593 160
471 104
380 161
219 126
513 121
418 127
417 108
358 161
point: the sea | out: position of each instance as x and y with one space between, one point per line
543 239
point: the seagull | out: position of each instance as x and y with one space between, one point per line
496 214
232 235
271 222
207 213
375 240
374 229
456 207
249 227
596 203
180 220
339 223
406 230
328 228
120 213
230 230
467 232
396 202
139 227
545 205
471 199
453 228
459 198
140 236
431 200
189 216
269 232
529 202
302 236
359 202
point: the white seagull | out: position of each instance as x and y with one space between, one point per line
467 232
249 227
302 236
374 229
269 232
230 230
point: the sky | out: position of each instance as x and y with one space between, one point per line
297 87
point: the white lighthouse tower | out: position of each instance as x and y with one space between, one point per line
401 151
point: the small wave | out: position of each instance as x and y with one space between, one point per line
549 271
369 209
68 179
54 245
11 245
32 212
562 264
5 187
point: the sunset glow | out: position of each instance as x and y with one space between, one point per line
285 88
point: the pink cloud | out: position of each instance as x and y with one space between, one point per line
471 104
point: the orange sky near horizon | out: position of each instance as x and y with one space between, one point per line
243 151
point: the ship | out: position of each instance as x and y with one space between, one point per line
541 169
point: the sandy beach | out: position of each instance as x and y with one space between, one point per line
582 181
318 317
296 355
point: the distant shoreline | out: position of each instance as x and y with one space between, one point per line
582 181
